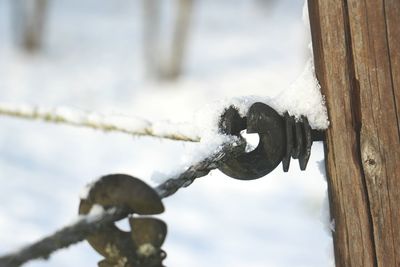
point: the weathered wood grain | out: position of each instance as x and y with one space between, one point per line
356 48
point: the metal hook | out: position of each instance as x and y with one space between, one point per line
269 125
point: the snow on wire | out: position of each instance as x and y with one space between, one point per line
108 123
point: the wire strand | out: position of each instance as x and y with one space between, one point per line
107 123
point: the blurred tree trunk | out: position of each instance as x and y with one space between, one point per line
356 47
266 3
28 22
151 32
169 66
173 68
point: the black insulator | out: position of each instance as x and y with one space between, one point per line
281 138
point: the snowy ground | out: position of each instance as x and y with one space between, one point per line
92 61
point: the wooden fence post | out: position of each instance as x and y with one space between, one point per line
356 46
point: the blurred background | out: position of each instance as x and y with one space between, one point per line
161 60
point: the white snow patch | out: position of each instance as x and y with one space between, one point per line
210 144
302 98
96 210
305 16
94 214
332 225
162 128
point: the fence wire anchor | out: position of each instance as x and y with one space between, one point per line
281 138
141 247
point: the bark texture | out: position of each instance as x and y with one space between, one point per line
356 47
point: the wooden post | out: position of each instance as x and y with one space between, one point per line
356 47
